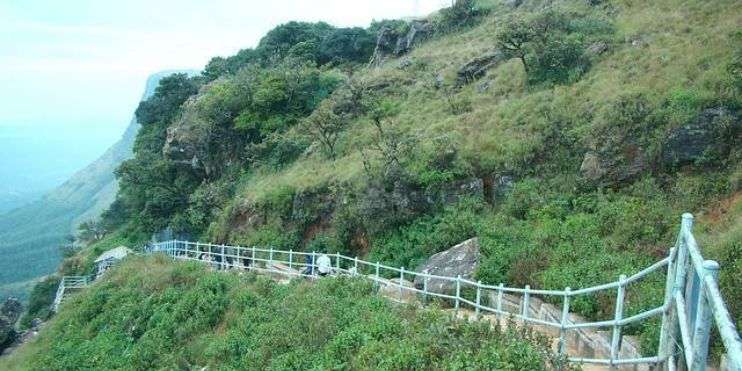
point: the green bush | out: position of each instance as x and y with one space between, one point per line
152 313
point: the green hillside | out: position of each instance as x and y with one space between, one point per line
31 235
569 136
153 314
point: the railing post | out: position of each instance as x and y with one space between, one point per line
291 257
563 322
378 265
616 339
401 282
355 266
425 289
663 349
479 299
314 263
270 258
458 293
703 318
337 262
253 263
224 259
526 297
500 288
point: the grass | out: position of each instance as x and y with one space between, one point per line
153 313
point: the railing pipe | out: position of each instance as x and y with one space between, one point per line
702 328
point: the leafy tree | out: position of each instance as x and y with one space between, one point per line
549 44
91 231
219 66
278 41
346 45
324 125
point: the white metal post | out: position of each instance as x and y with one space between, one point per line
616 339
270 259
355 266
291 257
377 272
663 349
563 322
337 262
703 318
526 296
425 289
458 293
253 263
314 263
500 288
401 280
479 299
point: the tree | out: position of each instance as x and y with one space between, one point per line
324 125
91 231
346 45
549 46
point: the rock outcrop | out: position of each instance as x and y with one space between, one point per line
477 67
389 42
705 139
461 259
614 166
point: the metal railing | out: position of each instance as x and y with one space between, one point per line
69 283
688 308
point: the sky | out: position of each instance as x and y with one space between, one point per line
72 71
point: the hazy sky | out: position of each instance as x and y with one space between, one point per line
72 71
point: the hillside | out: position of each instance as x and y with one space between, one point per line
569 136
232 322
31 235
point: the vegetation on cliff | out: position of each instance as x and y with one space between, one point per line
568 135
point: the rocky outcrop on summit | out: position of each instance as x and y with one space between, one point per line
389 42
477 67
460 260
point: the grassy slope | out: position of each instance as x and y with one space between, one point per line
660 50
153 313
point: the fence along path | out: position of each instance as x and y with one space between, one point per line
692 298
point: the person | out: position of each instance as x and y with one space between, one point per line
324 265
309 269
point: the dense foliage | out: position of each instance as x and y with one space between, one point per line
152 313
572 157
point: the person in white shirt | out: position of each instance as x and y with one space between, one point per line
324 265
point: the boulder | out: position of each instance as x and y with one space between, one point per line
477 67
461 259
451 193
419 30
390 288
389 42
597 48
614 164
705 139
386 41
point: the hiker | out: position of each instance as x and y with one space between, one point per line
324 265
309 262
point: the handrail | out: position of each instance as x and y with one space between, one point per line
677 312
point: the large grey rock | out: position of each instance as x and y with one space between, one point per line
451 193
461 259
477 67
390 43
703 140
419 30
614 164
